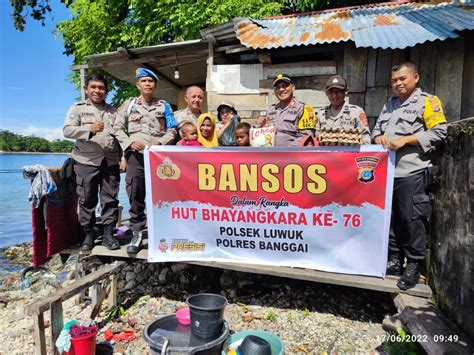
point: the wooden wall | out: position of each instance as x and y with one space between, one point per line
446 69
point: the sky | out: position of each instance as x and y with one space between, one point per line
35 93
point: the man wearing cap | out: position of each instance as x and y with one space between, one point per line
293 119
412 123
96 157
141 122
194 97
340 114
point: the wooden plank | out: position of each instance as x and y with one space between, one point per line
355 66
427 323
467 99
57 324
356 98
449 74
415 54
384 66
365 282
300 69
100 300
398 56
40 337
263 56
83 83
371 67
427 67
375 98
63 294
316 82
113 290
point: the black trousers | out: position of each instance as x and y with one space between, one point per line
410 210
93 182
135 184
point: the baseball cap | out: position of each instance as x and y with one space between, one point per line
282 77
337 82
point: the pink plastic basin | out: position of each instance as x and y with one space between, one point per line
183 316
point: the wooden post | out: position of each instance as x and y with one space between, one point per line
57 324
40 339
113 290
83 83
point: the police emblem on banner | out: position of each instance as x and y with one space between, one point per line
366 166
163 245
168 170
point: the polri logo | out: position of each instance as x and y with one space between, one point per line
366 166
168 170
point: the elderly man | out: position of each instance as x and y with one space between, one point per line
412 123
141 122
293 119
96 157
194 97
340 114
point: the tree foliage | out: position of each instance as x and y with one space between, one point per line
102 26
11 142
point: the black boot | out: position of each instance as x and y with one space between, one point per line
88 242
410 277
394 264
108 240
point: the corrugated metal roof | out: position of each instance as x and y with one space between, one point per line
389 25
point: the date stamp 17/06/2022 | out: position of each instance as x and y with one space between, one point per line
409 338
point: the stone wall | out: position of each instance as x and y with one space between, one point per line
451 238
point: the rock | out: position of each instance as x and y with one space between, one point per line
131 284
130 276
162 276
178 267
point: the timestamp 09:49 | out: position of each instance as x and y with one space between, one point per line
409 338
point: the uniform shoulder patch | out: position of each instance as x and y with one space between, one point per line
433 114
80 103
308 119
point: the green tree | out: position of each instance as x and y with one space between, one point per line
12 142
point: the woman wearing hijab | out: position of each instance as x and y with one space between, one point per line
228 120
207 133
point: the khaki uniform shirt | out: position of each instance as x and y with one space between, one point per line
92 149
292 122
183 116
422 115
149 125
349 117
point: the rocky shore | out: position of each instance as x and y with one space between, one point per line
310 318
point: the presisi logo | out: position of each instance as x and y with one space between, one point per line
168 170
185 245
366 166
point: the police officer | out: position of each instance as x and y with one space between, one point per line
194 97
340 114
293 119
141 122
96 155
412 123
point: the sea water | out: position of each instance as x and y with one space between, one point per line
15 209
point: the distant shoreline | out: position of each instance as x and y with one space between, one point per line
32 153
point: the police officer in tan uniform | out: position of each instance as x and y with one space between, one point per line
141 122
412 123
340 114
194 97
293 119
96 155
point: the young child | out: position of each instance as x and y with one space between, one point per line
190 135
242 132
